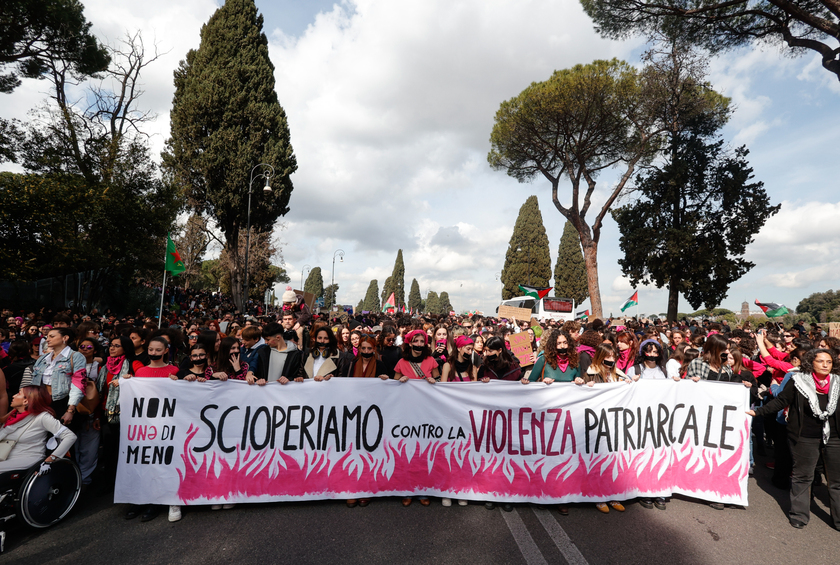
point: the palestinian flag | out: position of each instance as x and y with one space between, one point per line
534 291
632 301
174 264
390 304
772 310
582 315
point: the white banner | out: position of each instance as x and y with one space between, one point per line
228 442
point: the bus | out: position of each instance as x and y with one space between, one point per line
547 308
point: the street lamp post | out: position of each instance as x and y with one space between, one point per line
499 278
267 172
306 268
340 254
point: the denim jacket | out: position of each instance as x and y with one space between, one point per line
63 382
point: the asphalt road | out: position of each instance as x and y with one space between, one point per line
328 532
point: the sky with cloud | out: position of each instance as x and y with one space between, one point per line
391 105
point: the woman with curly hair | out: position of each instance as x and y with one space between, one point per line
557 362
811 396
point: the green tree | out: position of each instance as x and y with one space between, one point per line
819 302
527 260
700 198
398 279
728 24
314 283
226 120
371 301
329 295
191 244
444 303
432 303
570 270
33 31
414 297
577 124
387 289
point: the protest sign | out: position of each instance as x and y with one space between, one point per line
520 346
228 442
512 313
834 329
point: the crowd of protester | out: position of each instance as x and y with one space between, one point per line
65 368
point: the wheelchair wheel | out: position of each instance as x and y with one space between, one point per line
46 499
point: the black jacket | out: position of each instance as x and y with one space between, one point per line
799 409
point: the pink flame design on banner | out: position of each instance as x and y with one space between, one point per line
444 467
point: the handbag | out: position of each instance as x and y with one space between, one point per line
6 445
87 405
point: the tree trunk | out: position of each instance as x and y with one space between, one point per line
673 299
232 240
590 257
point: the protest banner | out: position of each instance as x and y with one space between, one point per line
520 346
308 299
512 313
834 329
229 442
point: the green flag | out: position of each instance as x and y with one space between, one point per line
174 264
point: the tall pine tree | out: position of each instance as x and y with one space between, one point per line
432 303
371 302
445 305
570 269
315 283
415 300
398 280
527 261
225 120
387 289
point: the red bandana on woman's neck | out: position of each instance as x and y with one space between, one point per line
822 384
562 363
16 417
114 364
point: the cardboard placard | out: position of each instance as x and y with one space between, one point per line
308 299
834 329
511 313
520 345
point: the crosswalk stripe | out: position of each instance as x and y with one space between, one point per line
558 535
523 539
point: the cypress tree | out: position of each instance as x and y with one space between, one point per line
371 301
533 261
444 303
387 289
330 292
414 299
315 283
570 270
398 280
432 303
225 120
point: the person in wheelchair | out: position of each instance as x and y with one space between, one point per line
28 424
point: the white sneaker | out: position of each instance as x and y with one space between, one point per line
174 513
446 501
228 506
216 507
462 503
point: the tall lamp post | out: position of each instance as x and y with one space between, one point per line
306 268
266 172
528 249
499 278
338 253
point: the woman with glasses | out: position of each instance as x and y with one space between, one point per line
198 365
119 364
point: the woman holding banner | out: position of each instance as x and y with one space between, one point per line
603 370
557 362
811 396
417 363
498 363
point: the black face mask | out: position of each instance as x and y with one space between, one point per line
289 335
366 355
492 360
608 363
724 357
155 357
652 357
563 351
418 348
198 363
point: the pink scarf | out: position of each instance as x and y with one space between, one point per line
624 360
562 363
822 385
16 417
114 364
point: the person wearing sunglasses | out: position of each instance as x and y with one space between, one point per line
389 351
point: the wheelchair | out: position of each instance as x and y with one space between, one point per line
39 500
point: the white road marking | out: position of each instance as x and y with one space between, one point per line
570 552
529 549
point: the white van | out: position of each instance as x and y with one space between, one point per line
547 308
